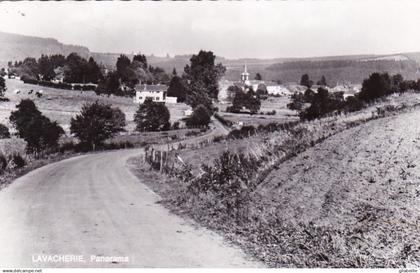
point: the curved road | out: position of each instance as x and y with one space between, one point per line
93 205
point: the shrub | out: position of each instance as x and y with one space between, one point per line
247 100
37 130
4 131
376 86
245 131
96 123
18 161
152 116
175 125
3 163
199 117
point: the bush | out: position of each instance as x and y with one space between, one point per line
96 123
175 125
152 116
4 131
247 100
18 161
3 163
245 131
199 117
37 130
227 184
376 86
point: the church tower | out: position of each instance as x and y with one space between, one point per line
245 76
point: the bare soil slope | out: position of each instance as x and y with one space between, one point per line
366 179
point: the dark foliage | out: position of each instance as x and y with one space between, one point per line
18 160
37 130
376 86
178 88
2 86
244 132
199 117
305 81
96 123
323 102
152 116
4 131
246 100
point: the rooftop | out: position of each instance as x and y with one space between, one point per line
151 87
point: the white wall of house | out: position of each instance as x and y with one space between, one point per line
156 96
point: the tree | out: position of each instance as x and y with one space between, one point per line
75 69
258 77
2 86
109 85
305 81
177 88
322 103
96 123
152 116
376 86
4 131
247 100
46 68
322 81
203 72
199 117
37 130
93 71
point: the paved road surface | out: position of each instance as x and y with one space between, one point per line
93 205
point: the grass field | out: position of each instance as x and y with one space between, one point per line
62 105
278 104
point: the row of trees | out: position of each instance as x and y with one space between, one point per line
73 68
323 102
94 124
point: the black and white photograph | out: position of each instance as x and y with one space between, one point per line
209 134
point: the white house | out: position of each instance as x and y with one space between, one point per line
157 92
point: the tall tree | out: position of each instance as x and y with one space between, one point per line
152 116
202 71
46 68
177 88
96 123
258 77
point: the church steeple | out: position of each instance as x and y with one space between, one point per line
245 75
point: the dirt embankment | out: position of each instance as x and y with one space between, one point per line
366 178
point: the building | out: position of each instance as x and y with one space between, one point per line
156 92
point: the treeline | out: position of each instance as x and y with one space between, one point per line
70 69
322 102
129 73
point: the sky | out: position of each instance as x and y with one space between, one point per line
252 29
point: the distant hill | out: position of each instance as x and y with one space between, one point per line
352 68
15 47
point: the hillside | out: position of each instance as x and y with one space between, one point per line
352 68
369 187
17 47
